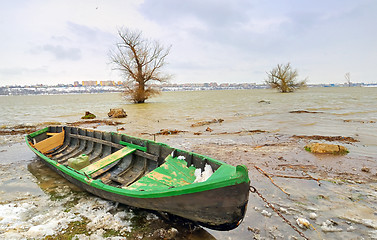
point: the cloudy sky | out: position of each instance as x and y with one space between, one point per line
55 41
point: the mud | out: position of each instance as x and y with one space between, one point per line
327 138
280 155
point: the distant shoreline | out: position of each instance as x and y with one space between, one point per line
69 89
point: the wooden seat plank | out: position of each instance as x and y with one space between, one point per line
50 143
94 167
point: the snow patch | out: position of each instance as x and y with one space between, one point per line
44 217
203 176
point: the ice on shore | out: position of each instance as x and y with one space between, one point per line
203 176
46 218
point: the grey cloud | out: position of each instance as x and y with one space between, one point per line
19 71
89 34
61 53
212 13
225 23
82 31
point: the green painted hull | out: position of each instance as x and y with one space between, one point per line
147 174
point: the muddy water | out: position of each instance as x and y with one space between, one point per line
35 202
332 111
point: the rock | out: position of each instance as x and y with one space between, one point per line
88 115
329 226
117 113
165 234
313 215
265 213
283 210
326 148
171 234
351 229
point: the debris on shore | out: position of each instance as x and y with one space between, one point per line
303 111
106 122
244 131
202 123
358 121
16 130
169 132
303 223
327 138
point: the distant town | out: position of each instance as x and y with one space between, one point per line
112 86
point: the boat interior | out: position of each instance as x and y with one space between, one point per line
120 160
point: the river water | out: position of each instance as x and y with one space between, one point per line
36 203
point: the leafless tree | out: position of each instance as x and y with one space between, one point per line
284 78
141 61
347 76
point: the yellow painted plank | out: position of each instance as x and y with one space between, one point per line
50 143
94 167
52 134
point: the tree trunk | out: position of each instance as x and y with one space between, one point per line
141 92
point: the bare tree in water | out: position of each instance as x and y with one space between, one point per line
284 78
347 76
141 61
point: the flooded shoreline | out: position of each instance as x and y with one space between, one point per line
335 193
344 205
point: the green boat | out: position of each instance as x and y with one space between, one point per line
146 174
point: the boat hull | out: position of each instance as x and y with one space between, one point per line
221 208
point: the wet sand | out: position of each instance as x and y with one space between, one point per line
335 193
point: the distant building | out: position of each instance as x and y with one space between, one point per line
89 83
107 83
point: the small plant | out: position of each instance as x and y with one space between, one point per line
88 115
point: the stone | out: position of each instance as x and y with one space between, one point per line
88 115
208 129
326 148
117 113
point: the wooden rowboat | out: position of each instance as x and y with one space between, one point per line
147 174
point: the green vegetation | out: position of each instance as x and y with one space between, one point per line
284 78
74 228
88 115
